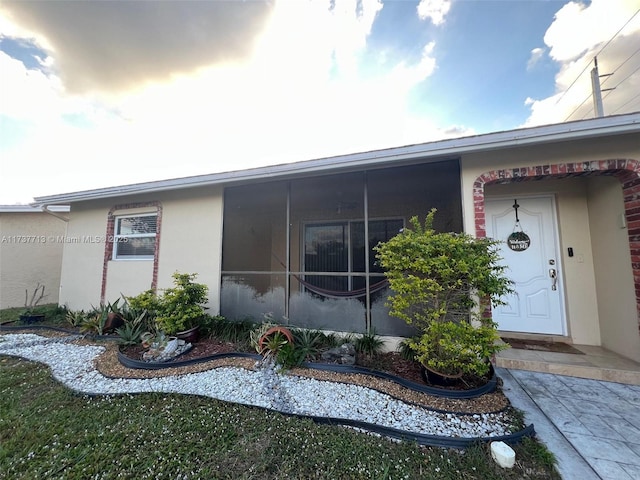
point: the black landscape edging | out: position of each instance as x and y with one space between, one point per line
489 387
128 362
37 327
438 392
423 438
394 433
141 365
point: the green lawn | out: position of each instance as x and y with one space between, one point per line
47 431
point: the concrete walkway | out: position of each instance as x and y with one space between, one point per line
591 426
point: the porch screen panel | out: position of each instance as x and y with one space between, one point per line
322 209
403 192
254 251
326 250
414 190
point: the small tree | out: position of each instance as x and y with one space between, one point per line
181 307
443 278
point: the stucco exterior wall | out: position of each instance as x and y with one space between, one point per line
612 261
190 242
82 260
31 245
579 227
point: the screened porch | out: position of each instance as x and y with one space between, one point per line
301 249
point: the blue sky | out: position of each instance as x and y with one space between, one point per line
96 94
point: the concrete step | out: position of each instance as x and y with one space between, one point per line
595 363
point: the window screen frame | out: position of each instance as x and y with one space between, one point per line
123 238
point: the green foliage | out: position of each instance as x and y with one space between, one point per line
309 342
290 355
457 347
441 283
146 301
94 323
440 276
257 333
237 332
76 318
178 308
369 343
405 350
130 333
272 344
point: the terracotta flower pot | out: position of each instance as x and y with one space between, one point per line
114 320
277 329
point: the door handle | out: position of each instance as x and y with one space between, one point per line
554 278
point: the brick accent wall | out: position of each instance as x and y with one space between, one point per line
108 246
626 170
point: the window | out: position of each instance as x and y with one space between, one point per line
339 247
135 237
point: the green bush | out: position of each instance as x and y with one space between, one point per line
441 276
146 301
178 308
457 347
443 283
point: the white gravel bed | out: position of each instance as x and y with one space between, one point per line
73 366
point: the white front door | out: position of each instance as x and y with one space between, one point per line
537 305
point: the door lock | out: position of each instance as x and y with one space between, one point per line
554 278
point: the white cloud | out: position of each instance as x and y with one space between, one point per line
435 10
536 56
299 95
410 75
112 46
577 34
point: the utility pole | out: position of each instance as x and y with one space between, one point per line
595 88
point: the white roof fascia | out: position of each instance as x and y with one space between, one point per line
591 128
32 209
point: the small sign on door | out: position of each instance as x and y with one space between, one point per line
518 241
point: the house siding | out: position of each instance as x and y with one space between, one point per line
189 241
31 245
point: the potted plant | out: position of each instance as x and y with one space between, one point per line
114 318
180 309
29 315
443 284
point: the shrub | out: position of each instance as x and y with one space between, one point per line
442 283
457 347
441 276
178 308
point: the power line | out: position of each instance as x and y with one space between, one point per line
599 52
619 66
627 77
626 103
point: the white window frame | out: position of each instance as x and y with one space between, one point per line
116 237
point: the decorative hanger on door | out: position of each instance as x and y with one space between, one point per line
518 241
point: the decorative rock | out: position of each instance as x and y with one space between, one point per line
345 354
171 350
503 454
73 365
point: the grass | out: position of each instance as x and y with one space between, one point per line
48 431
